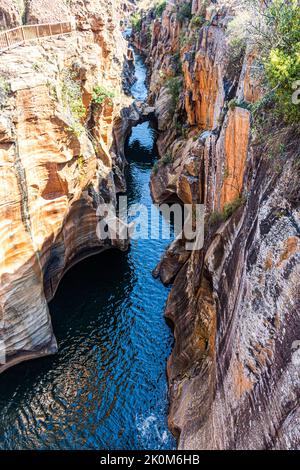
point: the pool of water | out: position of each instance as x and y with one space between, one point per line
106 388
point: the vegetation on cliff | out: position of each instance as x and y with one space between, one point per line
72 101
100 94
225 85
260 45
272 30
283 62
58 158
155 7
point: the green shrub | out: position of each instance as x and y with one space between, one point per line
245 105
185 12
282 64
178 127
167 159
284 17
266 101
283 71
231 207
160 8
174 86
72 96
76 128
240 104
183 39
4 86
215 218
197 21
177 63
155 168
100 94
136 21
162 75
236 53
232 104
52 90
80 161
21 6
77 108
37 67
273 29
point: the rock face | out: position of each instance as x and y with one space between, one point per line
58 162
48 11
234 371
10 15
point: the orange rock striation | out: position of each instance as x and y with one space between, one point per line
58 161
234 371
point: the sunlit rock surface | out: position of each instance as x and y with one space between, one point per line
234 370
53 173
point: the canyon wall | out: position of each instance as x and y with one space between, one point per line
10 14
60 101
234 371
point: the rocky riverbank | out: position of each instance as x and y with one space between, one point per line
234 371
60 105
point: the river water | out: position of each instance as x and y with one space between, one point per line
106 388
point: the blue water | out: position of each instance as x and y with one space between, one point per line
106 388
139 89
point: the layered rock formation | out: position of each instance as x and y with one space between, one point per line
234 372
10 14
58 162
49 11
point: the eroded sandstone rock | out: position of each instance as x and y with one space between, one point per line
10 15
47 11
234 370
58 161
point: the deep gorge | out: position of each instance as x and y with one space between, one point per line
106 387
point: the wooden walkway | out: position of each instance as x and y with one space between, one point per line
17 36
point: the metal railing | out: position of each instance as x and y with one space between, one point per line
17 36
